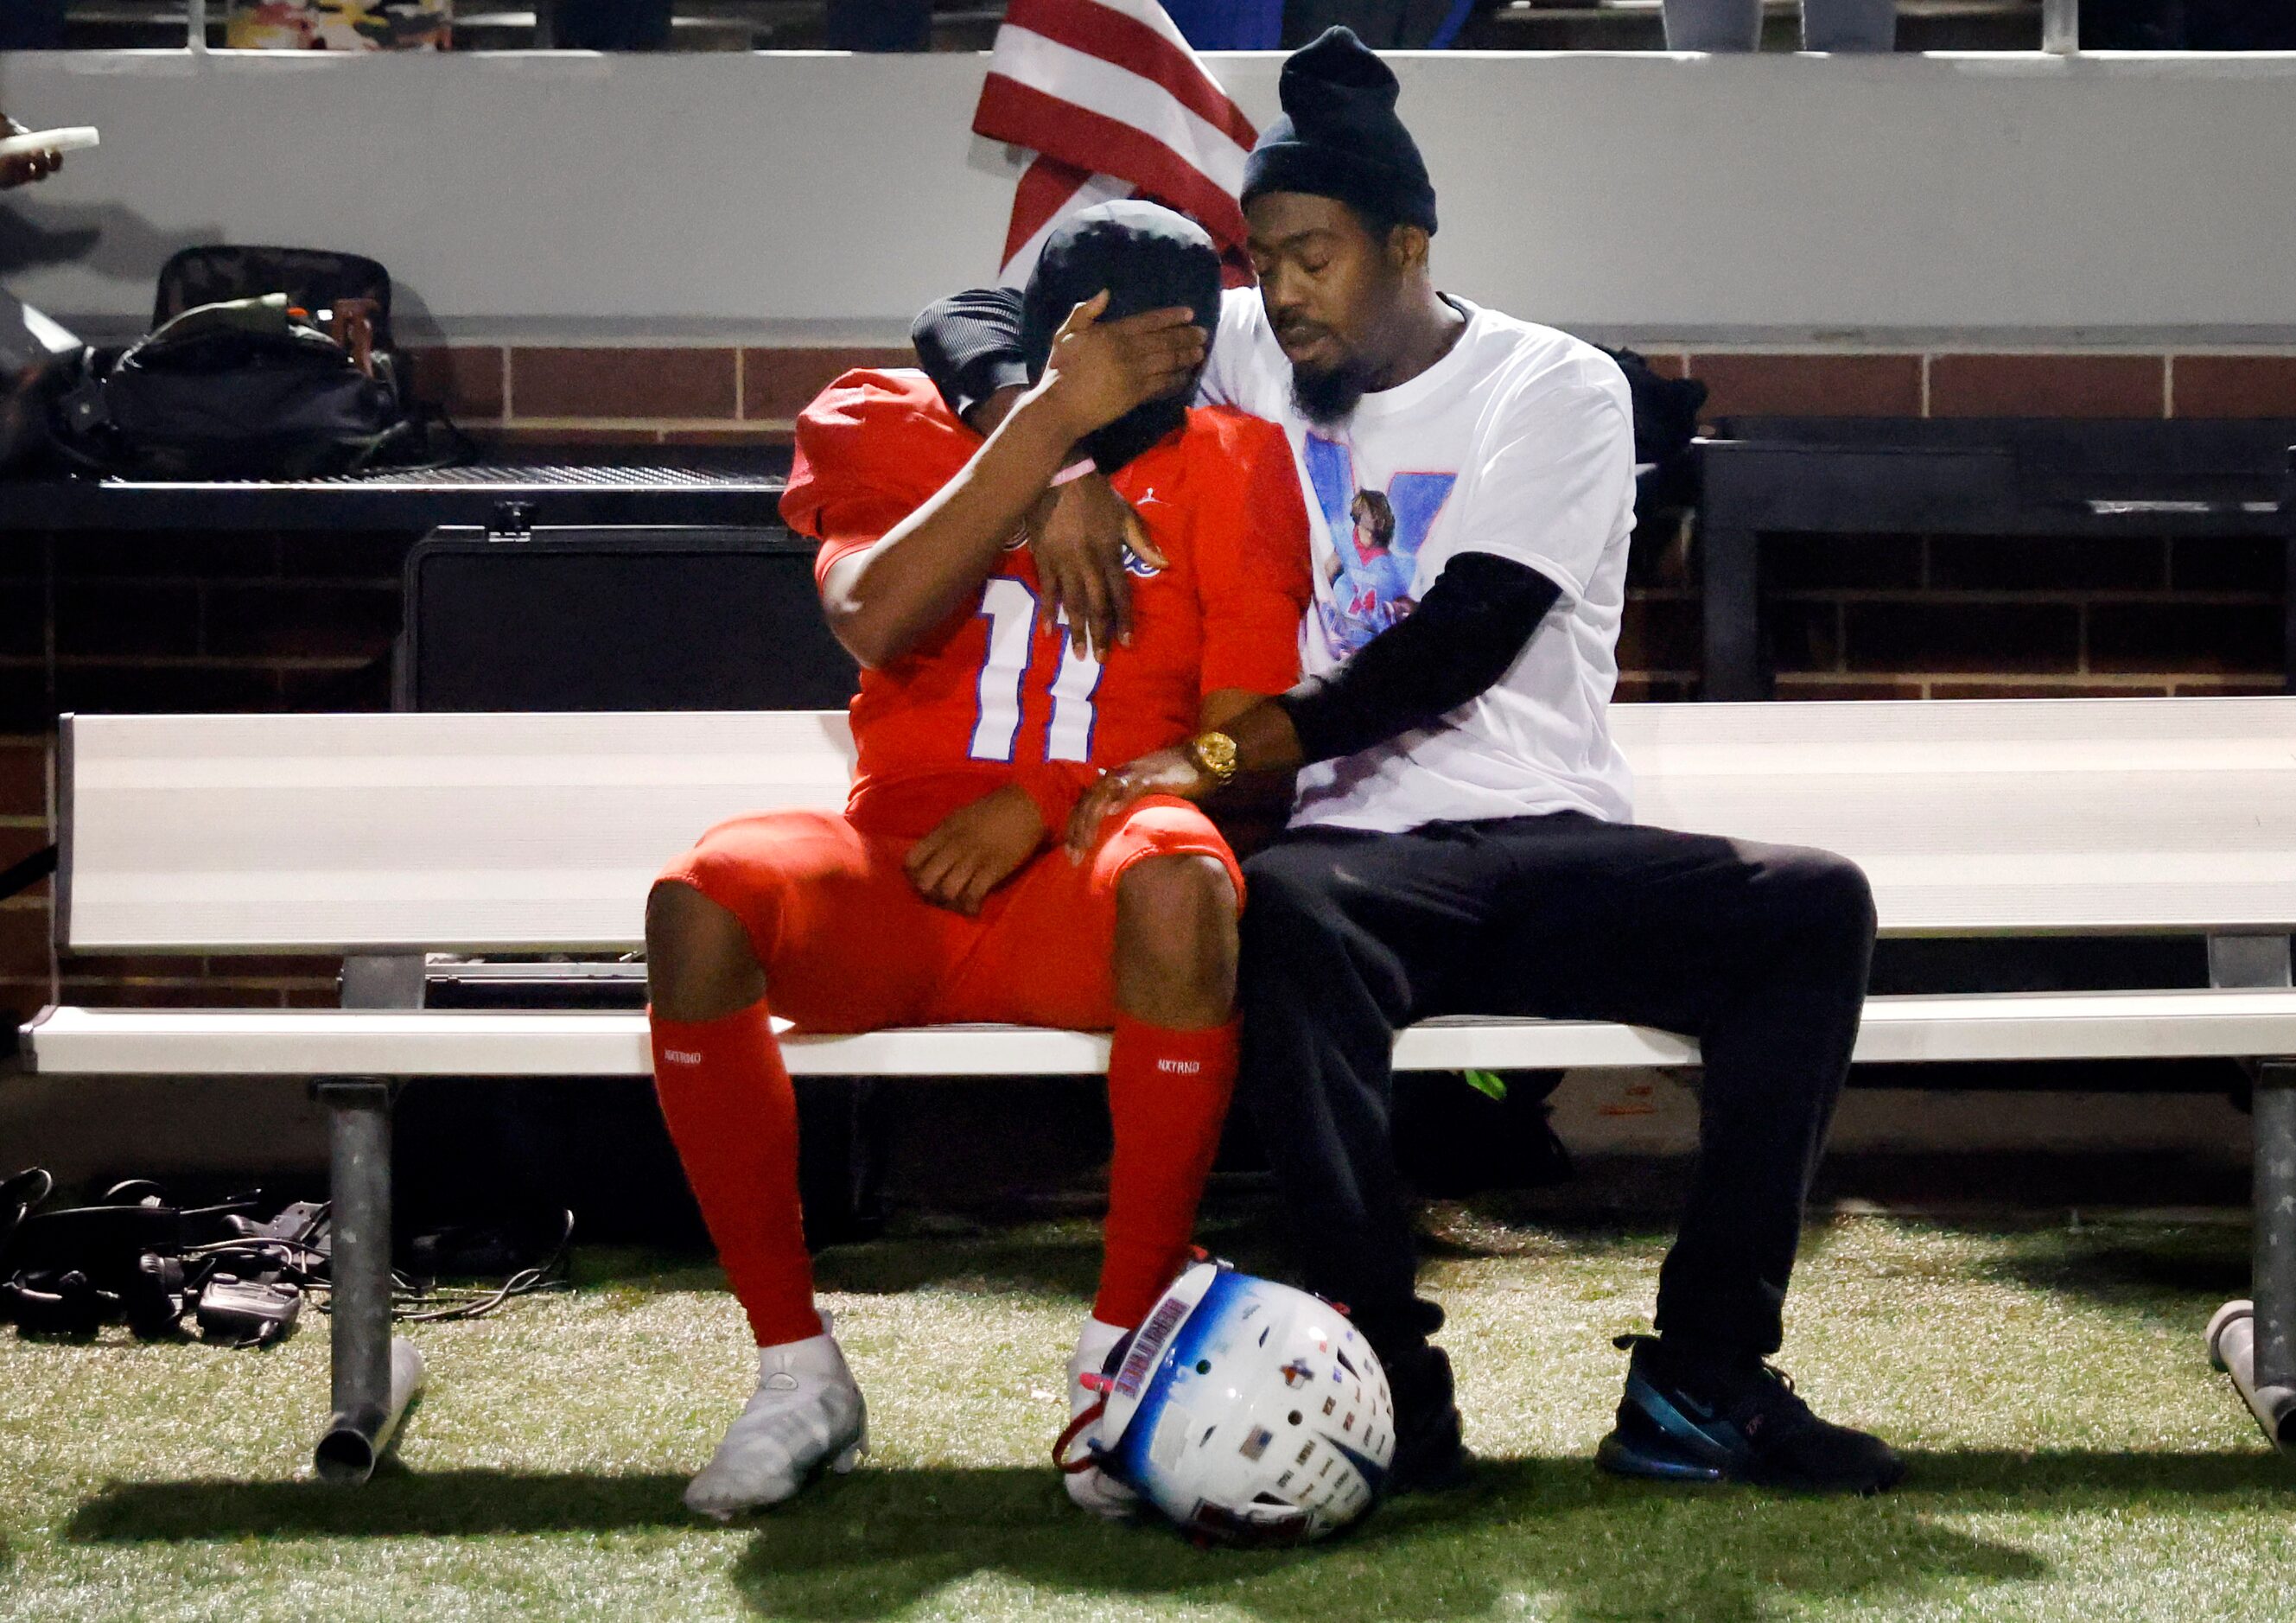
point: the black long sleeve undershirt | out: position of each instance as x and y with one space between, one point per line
969 345
1472 625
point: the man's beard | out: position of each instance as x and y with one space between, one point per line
1329 394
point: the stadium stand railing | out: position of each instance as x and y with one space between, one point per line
970 25
697 25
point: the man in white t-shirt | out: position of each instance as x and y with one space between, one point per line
1463 840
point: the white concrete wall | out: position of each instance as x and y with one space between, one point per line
1988 199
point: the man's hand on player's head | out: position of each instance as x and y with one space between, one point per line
976 848
1078 536
1171 771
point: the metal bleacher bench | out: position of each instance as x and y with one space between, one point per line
384 837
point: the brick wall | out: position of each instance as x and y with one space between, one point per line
257 622
173 622
634 396
1954 616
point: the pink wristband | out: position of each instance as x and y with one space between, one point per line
1074 472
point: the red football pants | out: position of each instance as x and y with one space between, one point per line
848 944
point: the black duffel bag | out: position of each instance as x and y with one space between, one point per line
247 389
263 362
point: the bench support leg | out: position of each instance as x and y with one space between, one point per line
2275 1228
2288 594
1730 573
2255 1342
375 1374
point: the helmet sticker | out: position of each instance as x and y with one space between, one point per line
1148 1346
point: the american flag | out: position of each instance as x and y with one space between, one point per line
1112 102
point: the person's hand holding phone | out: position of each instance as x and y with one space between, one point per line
25 168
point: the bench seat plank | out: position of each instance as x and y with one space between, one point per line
215 834
2195 1024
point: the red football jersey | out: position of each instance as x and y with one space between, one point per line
995 694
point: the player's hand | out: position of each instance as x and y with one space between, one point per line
1078 536
976 848
1098 370
1160 772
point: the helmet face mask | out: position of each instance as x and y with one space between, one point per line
1250 1412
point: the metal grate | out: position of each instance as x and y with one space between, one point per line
555 476
566 477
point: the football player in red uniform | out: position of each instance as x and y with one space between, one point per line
941 894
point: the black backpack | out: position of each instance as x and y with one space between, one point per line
263 362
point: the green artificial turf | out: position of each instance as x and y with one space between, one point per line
2073 1456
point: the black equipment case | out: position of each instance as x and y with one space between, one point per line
611 619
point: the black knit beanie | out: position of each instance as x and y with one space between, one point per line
1339 135
1148 258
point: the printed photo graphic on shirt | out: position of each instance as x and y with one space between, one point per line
1365 586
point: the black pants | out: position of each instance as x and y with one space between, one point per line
1759 952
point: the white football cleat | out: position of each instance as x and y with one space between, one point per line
808 1413
1096 1490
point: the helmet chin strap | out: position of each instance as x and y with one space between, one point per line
1084 1422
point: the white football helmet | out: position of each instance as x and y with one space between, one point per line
1247 1411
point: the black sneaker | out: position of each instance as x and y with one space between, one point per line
1685 1422
1429 1454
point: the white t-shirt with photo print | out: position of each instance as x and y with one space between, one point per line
1518 443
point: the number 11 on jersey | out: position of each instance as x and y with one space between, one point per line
1010 608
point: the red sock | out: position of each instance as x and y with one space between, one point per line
1168 1093
733 1115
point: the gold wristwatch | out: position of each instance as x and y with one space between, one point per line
1214 754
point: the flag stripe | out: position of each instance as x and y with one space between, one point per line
1050 190
1111 100
1148 13
1114 92
1114 35
1047 186
1027 117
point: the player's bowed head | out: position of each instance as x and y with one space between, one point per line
1161 276
1111 365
